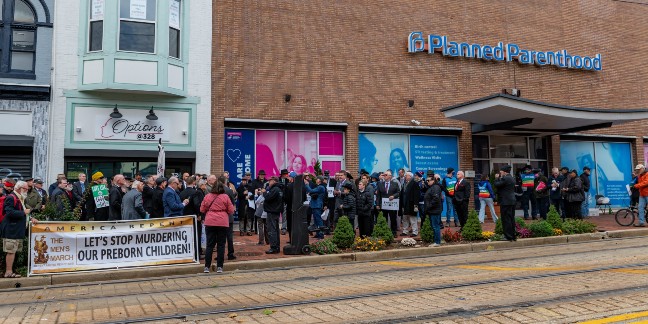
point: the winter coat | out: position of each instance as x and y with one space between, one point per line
485 190
317 196
349 206
13 224
217 209
147 199
409 197
273 200
58 197
158 205
575 190
33 201
642 184
116 194
132 206
433 200
506 190
365 201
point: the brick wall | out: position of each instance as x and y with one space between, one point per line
347 61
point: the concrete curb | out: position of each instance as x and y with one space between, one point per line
313 260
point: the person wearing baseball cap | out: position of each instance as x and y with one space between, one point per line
505 184
448 186
642 185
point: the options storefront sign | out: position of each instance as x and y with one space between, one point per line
131 129
501 52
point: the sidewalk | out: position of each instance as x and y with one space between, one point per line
246 248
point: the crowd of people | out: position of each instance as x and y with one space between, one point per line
264 205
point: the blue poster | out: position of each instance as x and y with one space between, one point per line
239 153
613 171
610 165
434 153
379 152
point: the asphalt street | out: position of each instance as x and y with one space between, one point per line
605 281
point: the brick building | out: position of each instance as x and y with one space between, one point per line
320 79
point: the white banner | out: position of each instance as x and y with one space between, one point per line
57 247
128 128
138 9
390 205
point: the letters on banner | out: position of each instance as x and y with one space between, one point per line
389 205
57 247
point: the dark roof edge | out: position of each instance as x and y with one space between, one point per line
540 103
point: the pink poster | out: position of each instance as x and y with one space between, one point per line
331 143
331 166
302 151
645 154
270 148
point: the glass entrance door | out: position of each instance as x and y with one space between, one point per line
517 164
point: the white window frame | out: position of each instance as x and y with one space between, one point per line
90 21
154 22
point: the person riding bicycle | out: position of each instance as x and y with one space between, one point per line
642 185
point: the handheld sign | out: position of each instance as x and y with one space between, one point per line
100 195
390 205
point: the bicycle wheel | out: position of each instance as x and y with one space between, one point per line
624 217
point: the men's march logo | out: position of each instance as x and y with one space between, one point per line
41 247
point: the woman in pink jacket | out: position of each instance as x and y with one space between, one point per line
216 207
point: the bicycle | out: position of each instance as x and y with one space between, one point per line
626 216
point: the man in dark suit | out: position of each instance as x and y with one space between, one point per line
389 189
78 189
116 194
158 193
409 204
461 198
505 184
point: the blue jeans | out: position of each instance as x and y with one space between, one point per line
317 219
483 202
450 211
435 220
585 205
643 200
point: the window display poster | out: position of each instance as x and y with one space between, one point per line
138 9
610 165
331 143
97 11
379 152
239 153
613 171
301 151
645 154
270 151
174 14
433 153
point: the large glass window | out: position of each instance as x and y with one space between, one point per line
95 34
137 25
174 28
508 147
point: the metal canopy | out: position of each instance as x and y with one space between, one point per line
503 114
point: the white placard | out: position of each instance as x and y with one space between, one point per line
390 204
57 247
174 14
97 11
138 9
131 129
330 190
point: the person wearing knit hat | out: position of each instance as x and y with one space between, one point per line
448 185
97 176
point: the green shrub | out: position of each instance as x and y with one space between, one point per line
499 230
427 234
382 230
344 234
497 237
541 229
472 230
325 246
553 218
520 221
577 226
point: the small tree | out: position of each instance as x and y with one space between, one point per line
472 230
541 229
427 234
344 234
499 230
382 230
553 218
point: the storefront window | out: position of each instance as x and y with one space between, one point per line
174 28
538 148
508 147
137 25
480 147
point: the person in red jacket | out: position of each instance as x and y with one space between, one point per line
642 185
217 206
